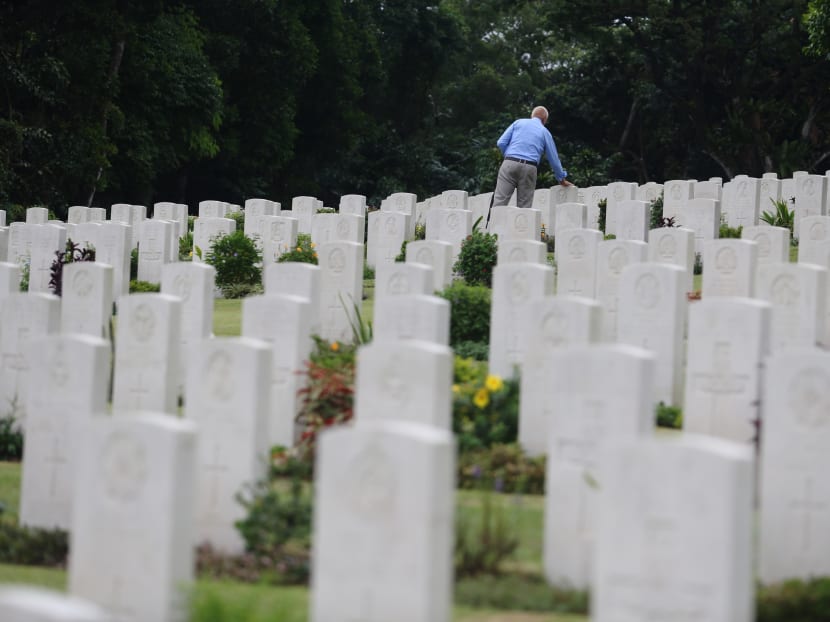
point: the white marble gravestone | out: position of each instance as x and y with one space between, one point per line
411 316
612 257
4 244
20 242
114 249
403 202
598 393
617 192
146 371
798 295
649 191
703 217
549 324
480 206
86 299
569 216
255 209
228 397
728 341
37 215
353 204
542 201
449 225
651 315
404 381
522 251
436 254
795 496
729 268
675 246
337 228
515 286
745 202
22 318
278 235
46 241
283 321
515 223
707 190
814 243
296 279
810 198
174 212
25 603
674 532
123 213
303 208
576 262
206 230
133 517
9 279
403 278
68 383
633 219
76 214
676 194
773 243
2 218
383 524
213 209
591 197
153 249
769 194
387 231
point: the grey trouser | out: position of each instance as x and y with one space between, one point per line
515 176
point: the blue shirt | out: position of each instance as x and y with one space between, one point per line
528 139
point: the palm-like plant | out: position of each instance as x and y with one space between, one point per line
782 216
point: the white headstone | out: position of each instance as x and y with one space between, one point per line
303 208
403 278
132 519
769 193
87 298
37 215
703 217
515 286
404 381
22 318
278 235
383 524
296 279
674 246
284 322
77 214
576 262
228 396
617 192
436 254
569 216
676 194
20 243
814 243
651 315
773 243
2 218
674 532
213 209
411 316
810 198
480 206
745 202
649 191
153 249
728 340
633 219
206 231
449 225
146 371
175 212
255 209
68 383
385 237
612 257
403 202
25 603
729 268
114 249
4 244
794 543
707 190
591 197
542 201
337 228
599 393
353 204
9 279
522 251
547 325
516 223
46 241
798 295
123 213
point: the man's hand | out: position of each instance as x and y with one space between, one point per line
565 183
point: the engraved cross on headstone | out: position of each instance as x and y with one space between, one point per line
138 391
809 505
721 381
215 468
55 459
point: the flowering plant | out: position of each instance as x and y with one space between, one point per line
305 251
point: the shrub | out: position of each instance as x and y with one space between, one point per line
668 416
485 407
656 214
698 267
506 465
134 264
140 287
304 251
603 209
469 312
519 592
242 290
483 548
326 210
25 271
32 546
420 231
186 247
795 601
239 219
368 272
726 231
548 240
480 351
236 260
781 216
328 397
11 436
477 257
401 257
71 253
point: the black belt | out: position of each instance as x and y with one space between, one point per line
520 161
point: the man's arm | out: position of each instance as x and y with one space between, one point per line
553 159
504 141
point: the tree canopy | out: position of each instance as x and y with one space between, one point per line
140 101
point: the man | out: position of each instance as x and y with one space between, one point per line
523 144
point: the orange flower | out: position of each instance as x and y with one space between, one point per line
335 346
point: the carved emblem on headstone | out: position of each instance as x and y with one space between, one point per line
124 467
647 291
143 323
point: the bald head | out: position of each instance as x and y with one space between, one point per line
540 112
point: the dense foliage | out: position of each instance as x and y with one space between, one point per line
174 100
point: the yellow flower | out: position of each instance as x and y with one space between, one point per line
335 346
313 245
482 398
315 255
493 383
299 249
455 388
